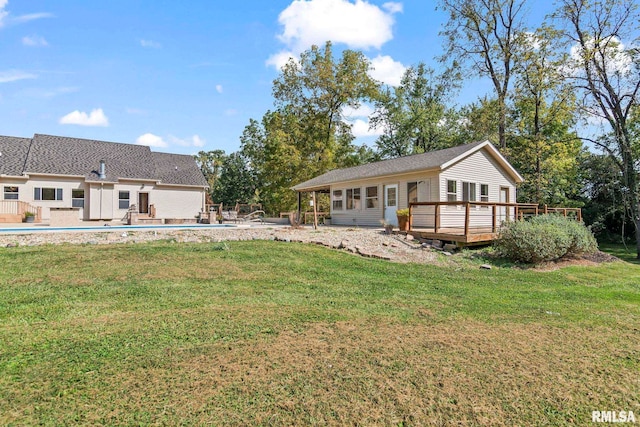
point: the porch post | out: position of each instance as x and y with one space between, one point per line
315 211
467 214
299 206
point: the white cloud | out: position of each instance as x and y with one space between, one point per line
194 141
95 118
360 128
358 24
617 58
3 13
278 60
6 19
365 110
35 41
386 70
358 118
393 7
230 112
15 75
151 140
30 17
219 88
150 44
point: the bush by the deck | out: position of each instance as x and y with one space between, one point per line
545 238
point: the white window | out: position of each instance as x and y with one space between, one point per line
123 200
484 192
452 191
337 200
11 193
353 199
372 197
47 193
469 191
412 192
77 198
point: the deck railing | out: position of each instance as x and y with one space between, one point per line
467 217
18 208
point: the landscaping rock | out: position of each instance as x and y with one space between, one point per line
450 247
485 267
445 253
436 244
409 237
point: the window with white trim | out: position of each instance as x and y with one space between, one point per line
77 198
123 200
11 192
468 191
47 193
452 191
371 193
484 192
353 199
336 199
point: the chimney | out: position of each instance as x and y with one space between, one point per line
102 171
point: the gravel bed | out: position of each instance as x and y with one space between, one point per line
368 242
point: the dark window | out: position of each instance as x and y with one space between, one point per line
47 193
11 193
412 192
372 197
123 200
77 198
353 198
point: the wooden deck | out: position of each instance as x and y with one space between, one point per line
468 223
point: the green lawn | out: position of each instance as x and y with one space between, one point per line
271 333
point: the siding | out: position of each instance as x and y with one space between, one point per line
374 217
479 168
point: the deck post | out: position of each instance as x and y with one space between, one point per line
467 214
315 211
436 219
410 216
579 215
516 212
545 209
564 211
299 206
494 219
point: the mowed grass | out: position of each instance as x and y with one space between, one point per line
271 333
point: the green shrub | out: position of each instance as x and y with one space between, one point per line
544 238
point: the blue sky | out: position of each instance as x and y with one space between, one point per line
185 76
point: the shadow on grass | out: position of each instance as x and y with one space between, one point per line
625 253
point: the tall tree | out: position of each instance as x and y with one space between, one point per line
210 163
414 116
306 134
237 181
605 69
543 147
483 35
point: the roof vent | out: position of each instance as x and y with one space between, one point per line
102 174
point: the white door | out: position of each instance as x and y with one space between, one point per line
391 204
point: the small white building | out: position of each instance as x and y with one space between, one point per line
371 193
97 180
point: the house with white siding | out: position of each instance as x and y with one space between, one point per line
372 193
91 180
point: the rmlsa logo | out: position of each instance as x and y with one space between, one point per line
613 417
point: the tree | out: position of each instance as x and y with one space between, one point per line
305 135
542 147
209 163
414 115
484 34
236 183
606 72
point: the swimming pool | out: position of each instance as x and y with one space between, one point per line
105 228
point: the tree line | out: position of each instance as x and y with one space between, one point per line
563 109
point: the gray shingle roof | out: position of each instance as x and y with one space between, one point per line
14 154
416 162
60 155
178 169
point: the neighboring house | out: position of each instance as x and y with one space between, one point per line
371 193
101 180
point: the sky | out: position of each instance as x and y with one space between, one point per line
183 77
